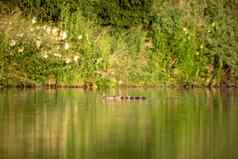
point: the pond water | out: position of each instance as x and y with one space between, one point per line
78 124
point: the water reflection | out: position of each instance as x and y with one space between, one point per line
73 123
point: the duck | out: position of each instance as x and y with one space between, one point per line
124 97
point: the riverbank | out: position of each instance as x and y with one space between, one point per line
77 52
93 87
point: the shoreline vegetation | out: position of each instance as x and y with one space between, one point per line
140 43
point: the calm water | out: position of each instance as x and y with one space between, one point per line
77 124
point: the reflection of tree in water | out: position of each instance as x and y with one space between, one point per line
75 124
198 125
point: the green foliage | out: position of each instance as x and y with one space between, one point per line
22 64
175 46
124 12
219 37
22 59
47 9
114 12
3 46
94 50
186 42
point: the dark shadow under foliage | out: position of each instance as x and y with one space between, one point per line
108 12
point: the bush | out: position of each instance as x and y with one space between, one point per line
190 43
124 12
175 45
113 12
22 58
43 9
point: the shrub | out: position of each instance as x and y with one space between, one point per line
113 12
175 45
124 12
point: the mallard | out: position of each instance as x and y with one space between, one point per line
124 97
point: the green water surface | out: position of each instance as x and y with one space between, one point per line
78 124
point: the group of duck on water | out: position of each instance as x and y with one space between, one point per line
124 97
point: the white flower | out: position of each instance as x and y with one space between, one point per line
44 27
45 56
48 30
120 82
63 35
33 20
185 30
20 35
213 24
201 46
37 28
13 43
57 55
55 31
80 37
20 50
38 44
66 46
67 60
76 58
